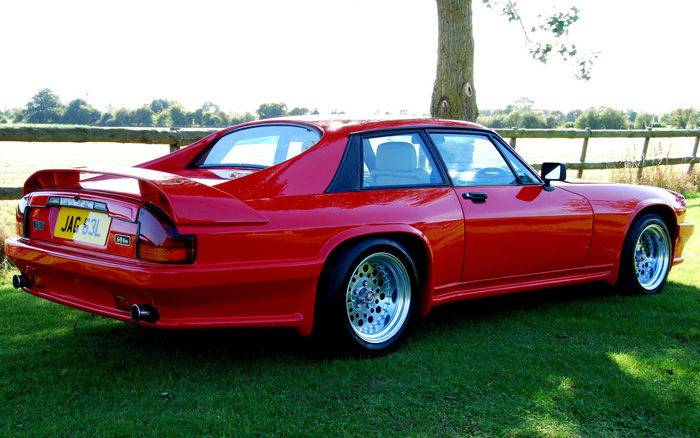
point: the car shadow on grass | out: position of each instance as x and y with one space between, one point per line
92 332
508 304
553 306
250 342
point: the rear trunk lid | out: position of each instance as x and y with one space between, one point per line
104 209
83 220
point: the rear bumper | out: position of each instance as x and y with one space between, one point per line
685 230
274 294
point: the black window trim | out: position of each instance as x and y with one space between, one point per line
349 176
502 143
345 181
497 142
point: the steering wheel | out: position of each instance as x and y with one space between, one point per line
492 174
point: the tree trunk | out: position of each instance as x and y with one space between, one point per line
453 93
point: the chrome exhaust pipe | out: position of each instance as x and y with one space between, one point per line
21 281
144 312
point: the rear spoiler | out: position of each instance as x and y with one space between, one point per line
185 200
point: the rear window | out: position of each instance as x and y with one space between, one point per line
259 146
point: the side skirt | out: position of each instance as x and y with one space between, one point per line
521 283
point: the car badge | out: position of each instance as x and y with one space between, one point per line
120 239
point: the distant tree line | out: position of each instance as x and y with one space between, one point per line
46 107
522 115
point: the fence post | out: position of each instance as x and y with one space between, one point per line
695 155
513 140
584 151
176 146
644 156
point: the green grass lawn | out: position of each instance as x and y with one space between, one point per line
582 361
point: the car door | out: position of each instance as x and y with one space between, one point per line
512 225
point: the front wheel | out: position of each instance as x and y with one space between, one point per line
646 256
371 296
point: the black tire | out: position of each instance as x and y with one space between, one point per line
368 297
646 256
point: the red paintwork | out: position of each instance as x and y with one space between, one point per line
180 197
262 238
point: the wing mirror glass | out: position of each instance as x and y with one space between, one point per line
553 172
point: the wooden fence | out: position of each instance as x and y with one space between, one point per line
173 137
177 138
587 134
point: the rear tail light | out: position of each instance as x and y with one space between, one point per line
159 241
19 216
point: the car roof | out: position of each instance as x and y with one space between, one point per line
346 126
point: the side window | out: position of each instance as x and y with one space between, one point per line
397 161
524 173
473 160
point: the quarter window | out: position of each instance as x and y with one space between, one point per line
259 146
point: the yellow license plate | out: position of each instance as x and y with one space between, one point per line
82 225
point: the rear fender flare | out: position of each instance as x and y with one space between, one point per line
416 242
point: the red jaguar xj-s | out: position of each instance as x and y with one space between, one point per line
350 229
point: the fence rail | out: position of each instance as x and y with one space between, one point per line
586 134
177 138
84 134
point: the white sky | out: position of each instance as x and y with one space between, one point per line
352 55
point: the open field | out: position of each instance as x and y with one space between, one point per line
20 160
601 149
583 361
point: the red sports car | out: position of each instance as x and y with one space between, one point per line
349 229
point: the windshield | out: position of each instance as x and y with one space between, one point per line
259 146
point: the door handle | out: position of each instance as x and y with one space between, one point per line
476 197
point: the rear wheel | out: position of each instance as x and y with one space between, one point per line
370 296
646 256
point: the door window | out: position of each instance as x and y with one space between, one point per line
473 160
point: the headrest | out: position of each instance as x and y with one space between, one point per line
396 156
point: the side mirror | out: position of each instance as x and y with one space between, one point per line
553 172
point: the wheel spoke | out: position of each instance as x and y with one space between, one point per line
652 257
378 297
